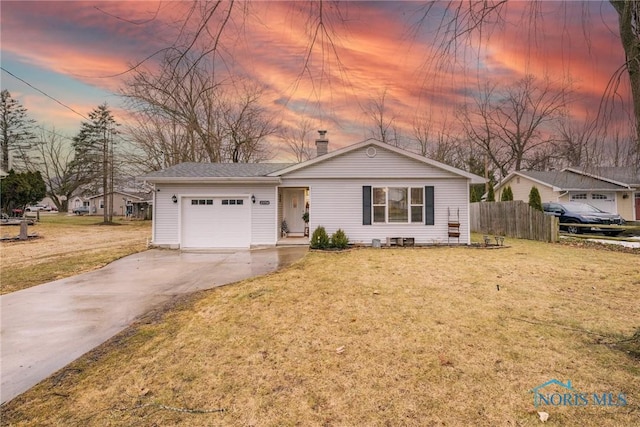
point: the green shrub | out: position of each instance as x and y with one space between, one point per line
491 196
507 194
339 239
534 199
319 238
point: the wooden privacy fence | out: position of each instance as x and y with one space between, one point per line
513 219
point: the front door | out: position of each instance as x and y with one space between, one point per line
293 208
637 197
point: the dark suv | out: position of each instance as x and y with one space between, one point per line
582 213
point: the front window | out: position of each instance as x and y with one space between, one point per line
398 205
379 205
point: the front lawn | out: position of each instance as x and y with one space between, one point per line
66 245
419 337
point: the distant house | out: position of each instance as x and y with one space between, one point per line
615 190
136 205
370 190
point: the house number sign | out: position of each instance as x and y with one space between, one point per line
265 202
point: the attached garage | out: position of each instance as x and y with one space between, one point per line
602 200
215 222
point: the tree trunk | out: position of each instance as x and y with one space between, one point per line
629 22
105 174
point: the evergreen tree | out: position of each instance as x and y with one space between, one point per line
534 199
18 190
16 135
94 153
507 194
491 195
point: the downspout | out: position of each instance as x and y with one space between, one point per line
153 214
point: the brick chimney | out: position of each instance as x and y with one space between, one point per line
322 144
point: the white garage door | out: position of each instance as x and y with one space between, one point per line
215 222
605 201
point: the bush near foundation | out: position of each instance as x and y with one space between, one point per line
339 239
320 238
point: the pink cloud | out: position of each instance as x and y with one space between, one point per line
374 49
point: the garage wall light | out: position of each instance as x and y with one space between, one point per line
174 199
253 199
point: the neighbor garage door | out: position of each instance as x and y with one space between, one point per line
215 222
605 201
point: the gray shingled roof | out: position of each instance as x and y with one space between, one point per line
570 180
217 170
626 175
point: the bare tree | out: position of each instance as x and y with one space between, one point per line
620 149
513 125
629 25
247 124
178 98
56 165
438 141
298 140
383 122
577 144
477 123
464 24
156 142
422 131
183 114
523 112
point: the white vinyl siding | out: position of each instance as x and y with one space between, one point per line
338 204
166 213
356 164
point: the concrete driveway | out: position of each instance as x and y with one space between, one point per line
46 327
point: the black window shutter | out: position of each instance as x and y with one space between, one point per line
429 206
366 205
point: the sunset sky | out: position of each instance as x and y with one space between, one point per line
79 52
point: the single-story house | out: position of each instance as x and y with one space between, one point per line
370 190
124 204
615 190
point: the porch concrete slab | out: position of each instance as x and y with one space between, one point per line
46 327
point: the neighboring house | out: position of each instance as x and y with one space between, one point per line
76 202
615 190
370 190
123 203
135 205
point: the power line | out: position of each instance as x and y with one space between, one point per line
68 138
42 92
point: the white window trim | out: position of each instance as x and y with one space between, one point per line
386 205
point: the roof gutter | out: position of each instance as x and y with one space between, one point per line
213 180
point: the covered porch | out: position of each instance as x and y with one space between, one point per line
293 241
293 215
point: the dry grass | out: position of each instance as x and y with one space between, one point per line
415 337
66 245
